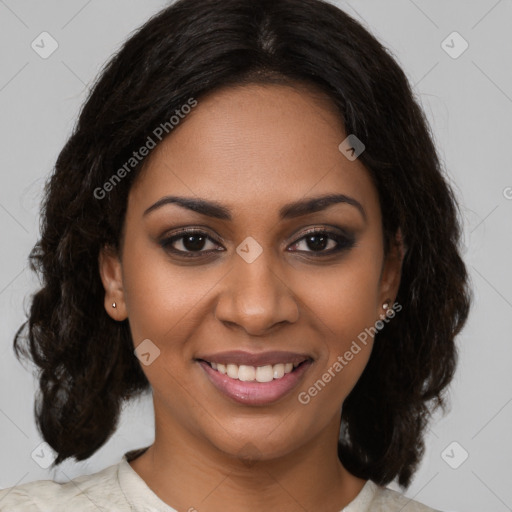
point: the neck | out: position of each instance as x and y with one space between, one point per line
191 474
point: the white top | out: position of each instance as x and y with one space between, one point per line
119 488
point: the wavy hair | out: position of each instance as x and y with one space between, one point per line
85 360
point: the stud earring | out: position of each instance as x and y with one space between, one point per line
385 305
114 305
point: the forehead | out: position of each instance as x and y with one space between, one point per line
255 145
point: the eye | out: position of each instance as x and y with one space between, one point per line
319 239
187 242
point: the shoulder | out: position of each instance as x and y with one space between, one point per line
85 493
388 500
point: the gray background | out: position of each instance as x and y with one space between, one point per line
468 101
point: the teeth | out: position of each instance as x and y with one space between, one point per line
265 373
232 371
246 373
278 370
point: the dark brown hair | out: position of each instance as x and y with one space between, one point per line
85 360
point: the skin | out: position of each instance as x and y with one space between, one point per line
251 148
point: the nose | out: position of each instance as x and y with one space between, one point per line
254 297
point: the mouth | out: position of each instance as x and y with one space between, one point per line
269 378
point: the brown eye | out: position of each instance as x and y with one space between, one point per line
318 240
188 242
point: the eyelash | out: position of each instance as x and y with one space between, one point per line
344 242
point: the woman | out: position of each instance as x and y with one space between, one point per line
250 219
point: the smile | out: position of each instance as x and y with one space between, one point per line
253 385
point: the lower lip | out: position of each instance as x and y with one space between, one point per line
253 392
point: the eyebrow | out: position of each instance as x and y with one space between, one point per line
287 211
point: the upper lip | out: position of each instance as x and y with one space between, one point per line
240 357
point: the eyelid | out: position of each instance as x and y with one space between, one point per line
330 230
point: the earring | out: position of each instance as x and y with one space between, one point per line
114 305
385 305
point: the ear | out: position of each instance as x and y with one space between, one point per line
392 271
112 279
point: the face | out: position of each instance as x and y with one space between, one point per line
243 280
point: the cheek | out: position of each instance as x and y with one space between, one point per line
344 297
343 305
161 297
357 298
